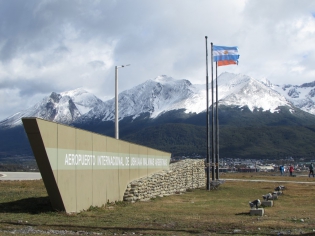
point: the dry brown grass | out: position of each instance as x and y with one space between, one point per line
217 212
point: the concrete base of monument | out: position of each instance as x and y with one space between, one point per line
257 212
267 203
214 184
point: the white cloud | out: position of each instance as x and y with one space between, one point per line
59 45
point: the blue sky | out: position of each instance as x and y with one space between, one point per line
49 45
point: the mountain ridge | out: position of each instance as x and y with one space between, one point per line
256 120
160 95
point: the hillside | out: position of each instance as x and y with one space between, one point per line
254 135
256 120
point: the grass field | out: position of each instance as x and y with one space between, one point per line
25 208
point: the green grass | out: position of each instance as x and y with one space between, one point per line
218 212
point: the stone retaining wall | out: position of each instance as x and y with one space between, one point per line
182 175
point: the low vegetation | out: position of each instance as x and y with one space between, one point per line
25 207
243 134
255 142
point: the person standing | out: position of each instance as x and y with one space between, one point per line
291 170
311 167
281 169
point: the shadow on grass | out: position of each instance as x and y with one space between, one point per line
27 205
242 213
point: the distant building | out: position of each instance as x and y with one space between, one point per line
246 169
265 168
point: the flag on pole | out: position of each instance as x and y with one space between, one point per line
225 55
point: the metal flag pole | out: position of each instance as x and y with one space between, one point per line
116 104
217 123
230 57
208 140
116 101
212 117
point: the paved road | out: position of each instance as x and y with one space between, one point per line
269 181
20 176
37 175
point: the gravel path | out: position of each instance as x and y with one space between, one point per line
31 230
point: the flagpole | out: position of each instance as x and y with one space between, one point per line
217 122
207 97
230 57
212 117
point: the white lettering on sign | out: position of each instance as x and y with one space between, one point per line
151 161
92 160
110 161
79 160
160 162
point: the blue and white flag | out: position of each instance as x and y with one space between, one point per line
225 55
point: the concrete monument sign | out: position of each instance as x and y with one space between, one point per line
82 169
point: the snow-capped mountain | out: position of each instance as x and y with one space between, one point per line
301 96
155 96
153 114
241 90
64 108
83 100
163 94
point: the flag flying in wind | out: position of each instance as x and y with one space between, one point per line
225 55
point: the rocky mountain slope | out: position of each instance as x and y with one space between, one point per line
64 108
301 96
257 118
158 96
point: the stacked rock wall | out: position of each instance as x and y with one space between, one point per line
182 175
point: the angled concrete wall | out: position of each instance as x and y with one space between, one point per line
82 169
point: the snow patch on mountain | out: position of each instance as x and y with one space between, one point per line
53 108
242 90
301 96
63 108
163 93
83 100
154 96
164 79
